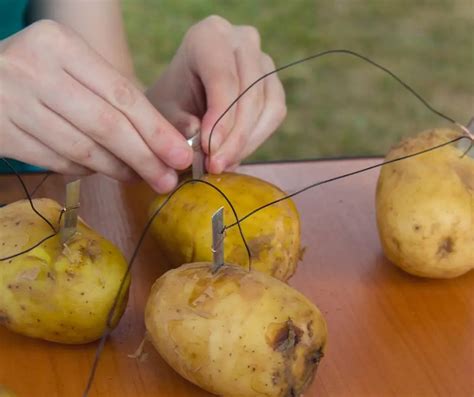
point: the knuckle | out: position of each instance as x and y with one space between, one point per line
37 42
82 153
44 26
109 120
267 62
213 24
217 22
48 30
251 34
123 92
280 111
192 33
51 36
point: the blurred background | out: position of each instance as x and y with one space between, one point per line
338 106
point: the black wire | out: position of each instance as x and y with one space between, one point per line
111 313
347 175
28 194
43 180
6 258
320 54
323 53
238 221
471 145
28 249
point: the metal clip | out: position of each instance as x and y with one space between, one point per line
198 158
218 239
464 144
68 228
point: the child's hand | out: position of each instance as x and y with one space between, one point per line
215 62
63 107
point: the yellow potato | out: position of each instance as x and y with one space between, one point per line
4 392
425 207
183 228
58 293
235 333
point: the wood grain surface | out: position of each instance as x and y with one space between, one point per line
390 334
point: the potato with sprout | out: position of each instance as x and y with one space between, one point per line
60 293
235 333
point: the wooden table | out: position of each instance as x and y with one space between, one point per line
390 334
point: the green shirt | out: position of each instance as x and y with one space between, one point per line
12 17
12 20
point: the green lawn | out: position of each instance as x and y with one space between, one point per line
337 105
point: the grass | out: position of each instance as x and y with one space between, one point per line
337 105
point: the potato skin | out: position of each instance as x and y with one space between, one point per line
424 207
57 293
4 392
183 228
235 333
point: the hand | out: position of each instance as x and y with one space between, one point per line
214 64
63 107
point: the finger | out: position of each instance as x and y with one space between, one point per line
274 111
249 106
216 66
36 153
187 123
232 167
249 65
97 75
108 127
66 140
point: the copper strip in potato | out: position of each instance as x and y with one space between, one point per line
68 228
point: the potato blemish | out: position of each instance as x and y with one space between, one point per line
286 337
446 247
4 318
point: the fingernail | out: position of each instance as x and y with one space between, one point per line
179 157
191 129
166 182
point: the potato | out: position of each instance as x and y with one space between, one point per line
235 333
425 207
183 228
5 392
58 293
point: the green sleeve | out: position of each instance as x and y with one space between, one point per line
12 16
12 20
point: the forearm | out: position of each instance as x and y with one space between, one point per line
99 23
